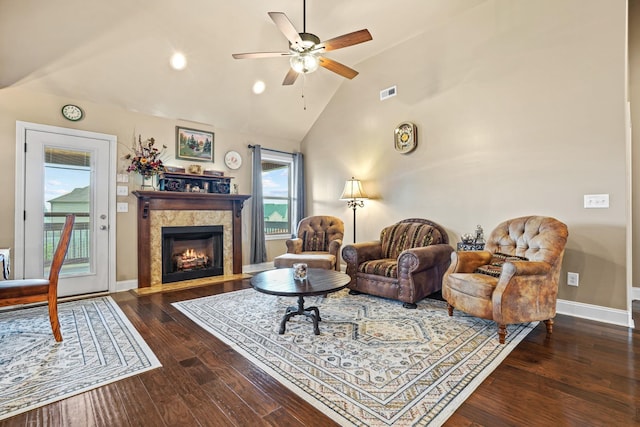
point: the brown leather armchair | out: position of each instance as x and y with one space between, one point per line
515 279
318 244
406 264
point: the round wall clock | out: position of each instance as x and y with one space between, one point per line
405 138
72 112
233 160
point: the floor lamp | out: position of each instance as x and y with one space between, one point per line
354 194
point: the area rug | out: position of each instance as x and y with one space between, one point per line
374 363
100 346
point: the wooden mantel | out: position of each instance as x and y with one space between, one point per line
171 200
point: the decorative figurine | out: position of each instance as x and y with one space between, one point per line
467 238
479 235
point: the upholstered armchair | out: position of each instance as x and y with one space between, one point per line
406 264
515 279
318 244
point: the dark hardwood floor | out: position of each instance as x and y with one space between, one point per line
585 374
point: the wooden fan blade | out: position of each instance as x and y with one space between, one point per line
346 40
337 67
290 78
286 27
260 55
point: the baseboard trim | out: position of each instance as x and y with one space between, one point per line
126 285
635 293
595 312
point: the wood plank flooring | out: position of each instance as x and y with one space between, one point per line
585 374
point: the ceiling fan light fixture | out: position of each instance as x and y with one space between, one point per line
304 63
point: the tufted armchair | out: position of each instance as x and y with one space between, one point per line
406 264
318 244
515 279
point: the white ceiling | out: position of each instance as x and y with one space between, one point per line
116 52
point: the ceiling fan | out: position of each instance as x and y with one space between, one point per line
305 49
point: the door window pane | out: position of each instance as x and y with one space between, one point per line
67 189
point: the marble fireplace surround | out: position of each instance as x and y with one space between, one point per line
157 209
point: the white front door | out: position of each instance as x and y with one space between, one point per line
66 171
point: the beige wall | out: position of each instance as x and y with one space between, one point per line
520 108
634 95
17 104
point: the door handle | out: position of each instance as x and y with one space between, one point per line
103 227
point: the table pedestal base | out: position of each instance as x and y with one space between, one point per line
311 312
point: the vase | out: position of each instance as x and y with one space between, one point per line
146 183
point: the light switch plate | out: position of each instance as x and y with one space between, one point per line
596 201
122 190
122 177
122 207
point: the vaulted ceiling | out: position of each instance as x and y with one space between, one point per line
117 53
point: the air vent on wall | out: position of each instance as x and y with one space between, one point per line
388 93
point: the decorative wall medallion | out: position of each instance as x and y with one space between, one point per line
405 138
233 160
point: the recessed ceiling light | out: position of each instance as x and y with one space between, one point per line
178 61
259 87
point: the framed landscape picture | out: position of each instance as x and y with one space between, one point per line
192 144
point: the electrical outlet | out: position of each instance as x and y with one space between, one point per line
122 207
122 190
573 279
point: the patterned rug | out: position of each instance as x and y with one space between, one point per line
374 363
99 346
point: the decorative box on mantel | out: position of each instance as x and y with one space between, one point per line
185 182
149 201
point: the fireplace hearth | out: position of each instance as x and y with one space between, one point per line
191 252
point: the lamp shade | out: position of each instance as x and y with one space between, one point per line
353 190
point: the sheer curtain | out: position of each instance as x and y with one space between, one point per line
258 246
299 191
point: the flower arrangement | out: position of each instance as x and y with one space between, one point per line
145 158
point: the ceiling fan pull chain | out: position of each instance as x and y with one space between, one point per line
304 100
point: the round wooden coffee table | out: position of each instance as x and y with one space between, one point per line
281 282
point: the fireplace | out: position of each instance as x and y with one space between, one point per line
192 252
158 209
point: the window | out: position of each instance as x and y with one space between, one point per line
278 194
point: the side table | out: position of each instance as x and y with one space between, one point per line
470 246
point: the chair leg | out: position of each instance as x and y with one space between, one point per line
354 292
549 323
410 305
502 333
55 322
450 309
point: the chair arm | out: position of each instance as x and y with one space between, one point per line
294 246
334 247
468 261
525 268
422 258
358 253
524 289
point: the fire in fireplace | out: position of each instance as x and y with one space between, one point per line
191 252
